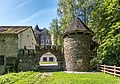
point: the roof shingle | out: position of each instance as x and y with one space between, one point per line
77 26
12 29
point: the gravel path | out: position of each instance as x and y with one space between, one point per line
80 72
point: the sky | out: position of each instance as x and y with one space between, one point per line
27 12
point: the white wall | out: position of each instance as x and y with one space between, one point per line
48 55
26 38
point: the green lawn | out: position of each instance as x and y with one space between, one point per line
47 62
58 78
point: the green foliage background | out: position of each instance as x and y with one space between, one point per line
101 16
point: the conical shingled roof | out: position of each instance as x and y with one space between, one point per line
78 26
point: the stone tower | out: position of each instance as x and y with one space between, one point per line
77 40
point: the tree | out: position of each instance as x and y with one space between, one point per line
66 11
105 22
83 9
55 31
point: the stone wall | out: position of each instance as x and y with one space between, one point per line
77 52
2 69
9 45
11 64
29 60
26 60
8 49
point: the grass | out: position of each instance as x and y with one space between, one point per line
58 78
47 62
18 78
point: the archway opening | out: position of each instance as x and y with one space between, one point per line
48 62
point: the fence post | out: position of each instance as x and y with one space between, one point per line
114 70
104 68
97 67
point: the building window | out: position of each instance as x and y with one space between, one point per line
47 41
51 59
1 59
44 59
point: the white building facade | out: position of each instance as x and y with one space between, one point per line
48 57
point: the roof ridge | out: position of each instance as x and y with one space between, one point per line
77 25
13 29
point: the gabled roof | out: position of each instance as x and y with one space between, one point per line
94 43
13 29
77 26
36 28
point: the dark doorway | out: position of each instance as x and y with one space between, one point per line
1 59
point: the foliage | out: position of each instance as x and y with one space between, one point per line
55 32
83 9
102 16
105 22
58 78
66 11
69 9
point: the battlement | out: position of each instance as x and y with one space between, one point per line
48 47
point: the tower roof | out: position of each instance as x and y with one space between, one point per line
78 26
37 28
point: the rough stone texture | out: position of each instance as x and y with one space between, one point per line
8 45
30 61
8 48
2 69
77 52
11 64
26 60
55 51
26 65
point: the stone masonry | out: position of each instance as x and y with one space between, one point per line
77 55
77 40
